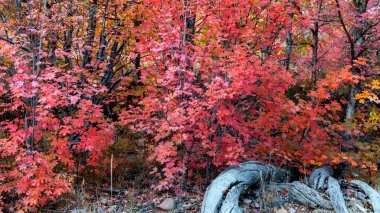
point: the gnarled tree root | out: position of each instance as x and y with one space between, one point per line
318 179
301 193
321 179
224 192
372 194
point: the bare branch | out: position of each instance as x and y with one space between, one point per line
13 42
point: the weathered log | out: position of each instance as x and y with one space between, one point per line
231 202
360 208
305 195
373 195
336 196
321 179
223 193
358 194
318 178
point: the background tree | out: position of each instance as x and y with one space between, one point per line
203 84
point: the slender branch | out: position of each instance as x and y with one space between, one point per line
365 31
14 43
103 41
352 43
372 74
301 43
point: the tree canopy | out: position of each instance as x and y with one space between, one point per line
201 84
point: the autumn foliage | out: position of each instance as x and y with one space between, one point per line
205 84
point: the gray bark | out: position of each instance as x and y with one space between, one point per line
318 179
223 193
336 196
373 195
301 193
321 179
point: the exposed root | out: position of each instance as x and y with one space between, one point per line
373 195
301 193
224 192
321 179
336 196
318 179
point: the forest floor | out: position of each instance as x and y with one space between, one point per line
134 200
133 194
